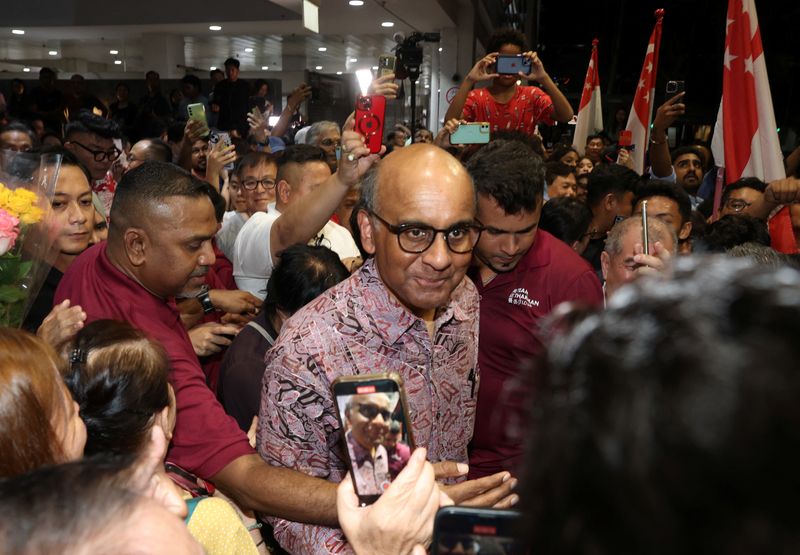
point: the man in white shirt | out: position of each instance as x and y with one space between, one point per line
306 195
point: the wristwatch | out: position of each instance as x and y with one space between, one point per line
205 301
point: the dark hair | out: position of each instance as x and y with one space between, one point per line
760 254
609 178
565 218
152 182
87 122
666 189
683 150
509 172
152 73
253 159
192 80
744 183
300 155
30 395
120 386
303 273
502 37
590 138
735 229
123 85
21 127
175 131
258 84
687 445
47 71
560 150
213 71
231 62
532 141
555 169
68 159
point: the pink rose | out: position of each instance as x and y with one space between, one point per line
8 231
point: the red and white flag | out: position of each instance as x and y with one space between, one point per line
642 109
745 139
590 112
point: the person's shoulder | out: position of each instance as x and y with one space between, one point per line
258 222
562 256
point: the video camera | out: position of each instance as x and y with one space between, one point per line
409 53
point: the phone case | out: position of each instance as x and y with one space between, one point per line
477 530
370 115
512 65
347 386
198 112
471 134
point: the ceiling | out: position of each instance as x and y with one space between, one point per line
82 32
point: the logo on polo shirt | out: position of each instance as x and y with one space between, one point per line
519 296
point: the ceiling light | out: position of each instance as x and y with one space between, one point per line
53 52
248 50
264 68
322 49
17 32
387 24
356 3
26 69
338 73
353 60
113 52
214 28
117 62
374 68
212 68
440 49
318 68
427 86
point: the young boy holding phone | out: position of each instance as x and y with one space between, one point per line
504 104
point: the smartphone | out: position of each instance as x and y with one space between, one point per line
376 430
473 530
221 137
258 102
675 88
645 239
386 64
626 140
512 65
370 115
471 134
197 112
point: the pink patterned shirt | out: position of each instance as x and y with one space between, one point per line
358 327
528 106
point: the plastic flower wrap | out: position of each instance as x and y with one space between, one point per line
27 184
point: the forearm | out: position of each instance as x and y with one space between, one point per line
457 106
793 162
660 162
185 155
562 110
279 130
279 492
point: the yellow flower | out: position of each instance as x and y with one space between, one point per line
5 195
21 203
31 216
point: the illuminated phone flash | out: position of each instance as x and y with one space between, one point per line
364 77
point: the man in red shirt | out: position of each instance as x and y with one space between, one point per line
521 274
159 245
504 104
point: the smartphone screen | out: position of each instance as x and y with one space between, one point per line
376 431
471 530
511 65
386 65
198 112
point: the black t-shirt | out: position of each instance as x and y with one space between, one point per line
231 96
43 304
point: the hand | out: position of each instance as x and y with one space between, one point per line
442 138
194 131
119 166
624 158
211 338
238 320
356 158
537 73
783 191
659 263
667 113
384 86
61 324
401 520
258 127
148 477
492 491
234 301
298 96
218 156
480 71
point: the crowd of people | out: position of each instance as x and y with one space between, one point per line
626 381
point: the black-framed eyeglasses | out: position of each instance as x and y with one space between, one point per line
417 238
100 155
251 184
737 204
372 411
330 143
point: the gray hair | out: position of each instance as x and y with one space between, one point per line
317 129
656 231
369 189
760 254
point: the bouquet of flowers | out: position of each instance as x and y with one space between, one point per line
27 184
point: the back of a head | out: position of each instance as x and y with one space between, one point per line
148 185
668 423
87 122
533 141
159 151
610 178
510 173
119 380
666 189
30 395
760 254
302 274
735 229
297 155
566 219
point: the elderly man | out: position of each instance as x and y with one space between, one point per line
326 135
623 259
408 310
159 245
368 418
148 149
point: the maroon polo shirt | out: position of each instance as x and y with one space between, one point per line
512 306
205 438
